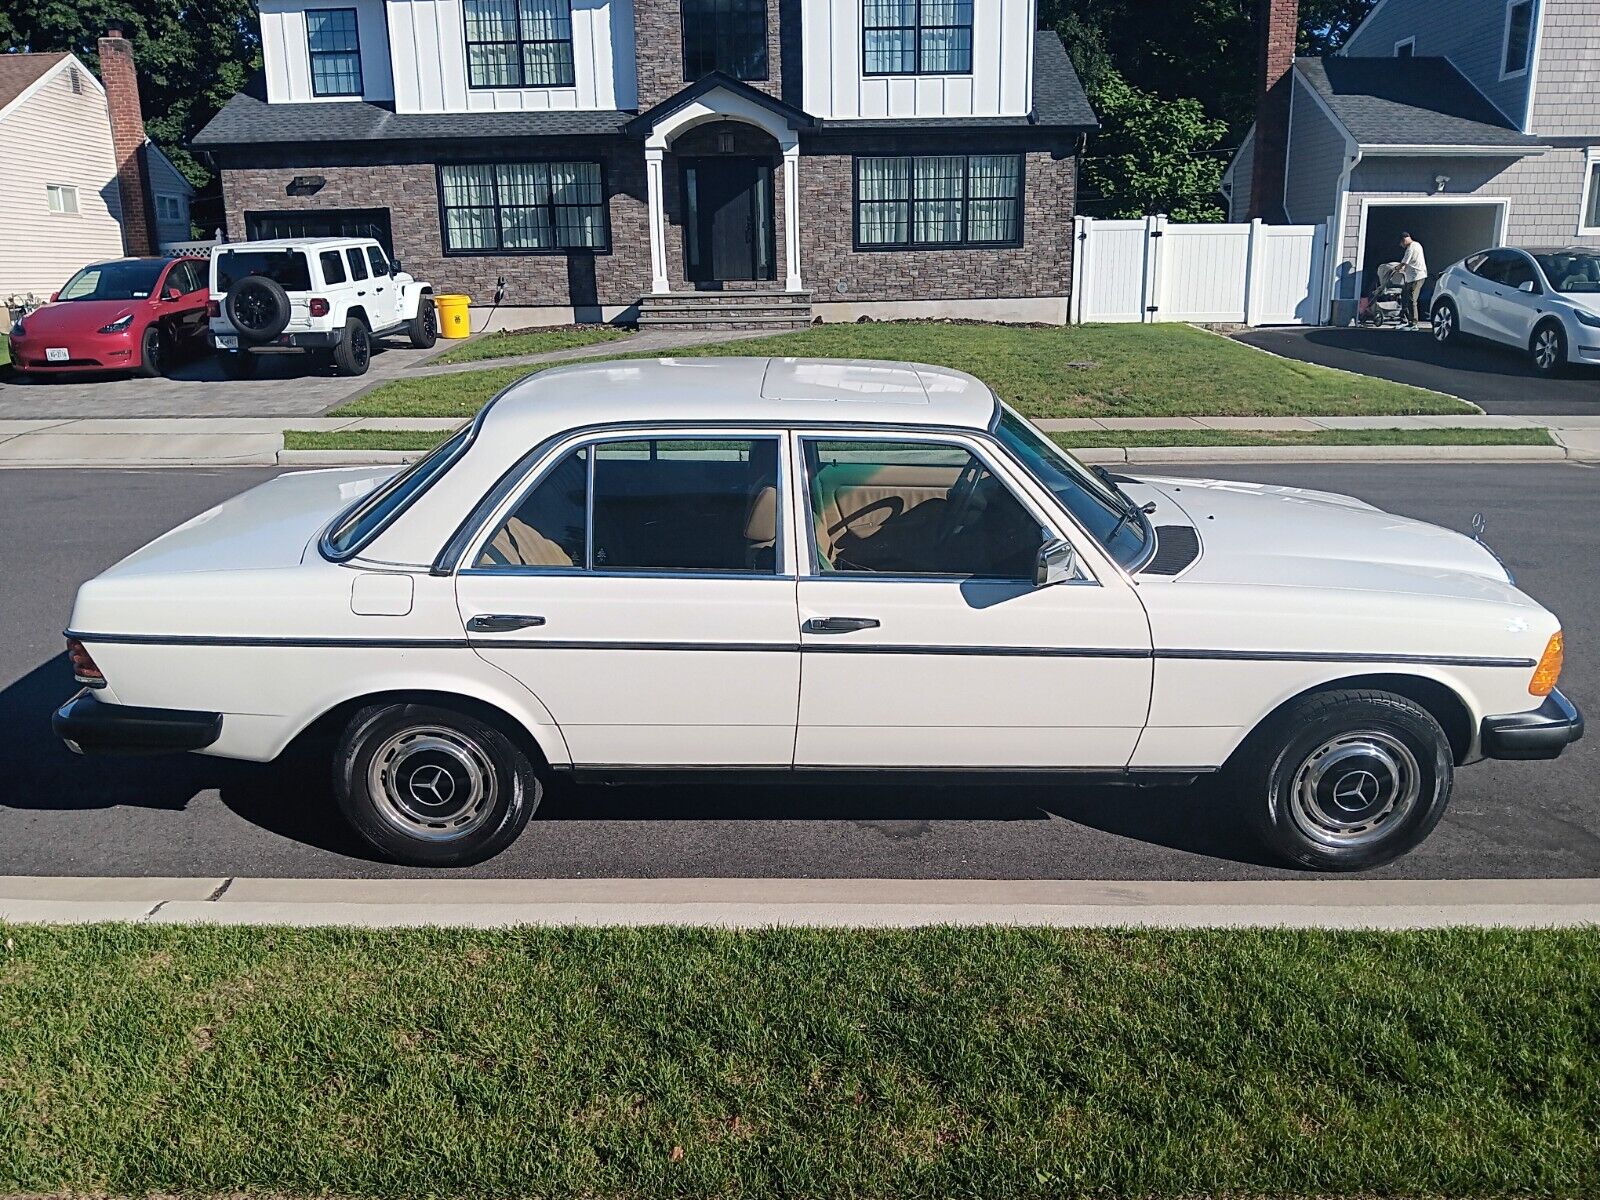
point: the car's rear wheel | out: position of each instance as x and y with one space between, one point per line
1548 349
354 351
240 364
1446 323
152 354
432 787
423 329
1346 780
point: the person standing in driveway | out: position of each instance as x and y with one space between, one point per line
1413 273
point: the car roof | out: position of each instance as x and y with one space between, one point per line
757 390
297 243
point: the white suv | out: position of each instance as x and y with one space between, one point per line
1545 302
327 296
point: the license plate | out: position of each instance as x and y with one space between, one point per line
227 343
56 354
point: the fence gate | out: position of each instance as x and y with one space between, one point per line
1153 270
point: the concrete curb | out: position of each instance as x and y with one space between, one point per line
834 903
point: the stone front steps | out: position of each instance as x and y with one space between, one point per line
755 309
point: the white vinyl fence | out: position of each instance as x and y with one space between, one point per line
1152 270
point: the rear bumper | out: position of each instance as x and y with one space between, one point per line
296 341
90 726
1543 733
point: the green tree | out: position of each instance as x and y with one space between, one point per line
1152 156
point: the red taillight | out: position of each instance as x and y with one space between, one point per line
213 308
83 666
319 306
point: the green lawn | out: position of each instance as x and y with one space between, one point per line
1101 439
531 341
5 351
1046 371
363 439
982 1062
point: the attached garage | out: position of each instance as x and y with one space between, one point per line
1449 229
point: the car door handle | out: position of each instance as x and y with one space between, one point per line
501 623
840 624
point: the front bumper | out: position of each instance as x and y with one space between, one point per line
1543 733
88 725
85 353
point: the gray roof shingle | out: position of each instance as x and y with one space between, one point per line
1409 102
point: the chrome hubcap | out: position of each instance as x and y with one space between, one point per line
1544 349
432 783
1354 788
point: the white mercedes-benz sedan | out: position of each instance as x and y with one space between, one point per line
791 568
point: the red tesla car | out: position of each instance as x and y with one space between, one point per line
130 314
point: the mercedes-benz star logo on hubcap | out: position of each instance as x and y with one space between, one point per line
1356 790
431 784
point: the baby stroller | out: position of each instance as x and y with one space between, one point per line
1385 303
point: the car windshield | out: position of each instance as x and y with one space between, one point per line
1571 270
1096 505
287 267
134 279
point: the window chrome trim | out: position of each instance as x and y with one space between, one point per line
355 510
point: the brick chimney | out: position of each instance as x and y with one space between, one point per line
127 139
1280 27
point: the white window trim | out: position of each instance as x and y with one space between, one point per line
1412 42
1505 38
50 190
1591 184
177 203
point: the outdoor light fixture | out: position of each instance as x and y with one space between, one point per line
306 185
1440 182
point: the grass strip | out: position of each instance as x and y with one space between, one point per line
679 1062
507 343
363 439
1045 371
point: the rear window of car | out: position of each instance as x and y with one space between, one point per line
288 268
352 529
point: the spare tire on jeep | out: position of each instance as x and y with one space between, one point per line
258 307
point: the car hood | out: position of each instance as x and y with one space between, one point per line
1287 536
75 316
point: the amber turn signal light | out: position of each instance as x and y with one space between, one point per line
83 666
1548 673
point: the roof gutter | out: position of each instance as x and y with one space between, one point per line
1390 151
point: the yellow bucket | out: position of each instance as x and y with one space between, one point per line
454 321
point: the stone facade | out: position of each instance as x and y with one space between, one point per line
659 51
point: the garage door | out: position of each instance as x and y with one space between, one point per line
321 222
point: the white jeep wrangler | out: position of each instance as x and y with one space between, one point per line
326 296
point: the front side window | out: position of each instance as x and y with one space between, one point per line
677 505
519 43
523 208
1519 38
1518 270
358 264
915 508
380 264
916 37
1571 270
939 200
333 40
725 35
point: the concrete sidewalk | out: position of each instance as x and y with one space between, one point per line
258 441
836 903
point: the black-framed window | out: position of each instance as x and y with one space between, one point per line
523 208
916 37
725 35
519 43
939 200
333 39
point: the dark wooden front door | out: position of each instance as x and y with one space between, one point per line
728 231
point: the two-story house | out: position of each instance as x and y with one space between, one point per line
1468 124
750 160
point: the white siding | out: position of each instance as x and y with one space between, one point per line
287 61
1237 178
1001 82
1316 159
430 61
167 180
1566 95
56 136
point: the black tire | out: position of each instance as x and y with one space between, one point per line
1344 781
432 787
240 364
1446 324
152 354
423 329
353 354
1547 350
258 307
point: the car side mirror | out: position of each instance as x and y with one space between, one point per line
1057 562
1527 285
54 296
174 293
394 267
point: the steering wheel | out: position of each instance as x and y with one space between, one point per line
959 500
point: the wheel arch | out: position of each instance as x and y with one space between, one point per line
543 742
1439 699
359 311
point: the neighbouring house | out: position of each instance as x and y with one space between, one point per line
682 161
1469 124
81 181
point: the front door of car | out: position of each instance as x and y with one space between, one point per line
1498 299
925 640
384 288
188 278
1521 299
639 587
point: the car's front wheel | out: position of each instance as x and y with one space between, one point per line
1346 780
354 351
152 354
432 787
1548 349
423 329
1446 323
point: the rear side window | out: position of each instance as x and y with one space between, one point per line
354 528
332 267
358 265
288 268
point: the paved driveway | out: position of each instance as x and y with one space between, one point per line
1497 378
288 385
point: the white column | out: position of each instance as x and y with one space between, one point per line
791 214
653 168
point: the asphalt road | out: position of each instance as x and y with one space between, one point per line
195 816
1496 378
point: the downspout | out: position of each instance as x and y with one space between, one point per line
1336 242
